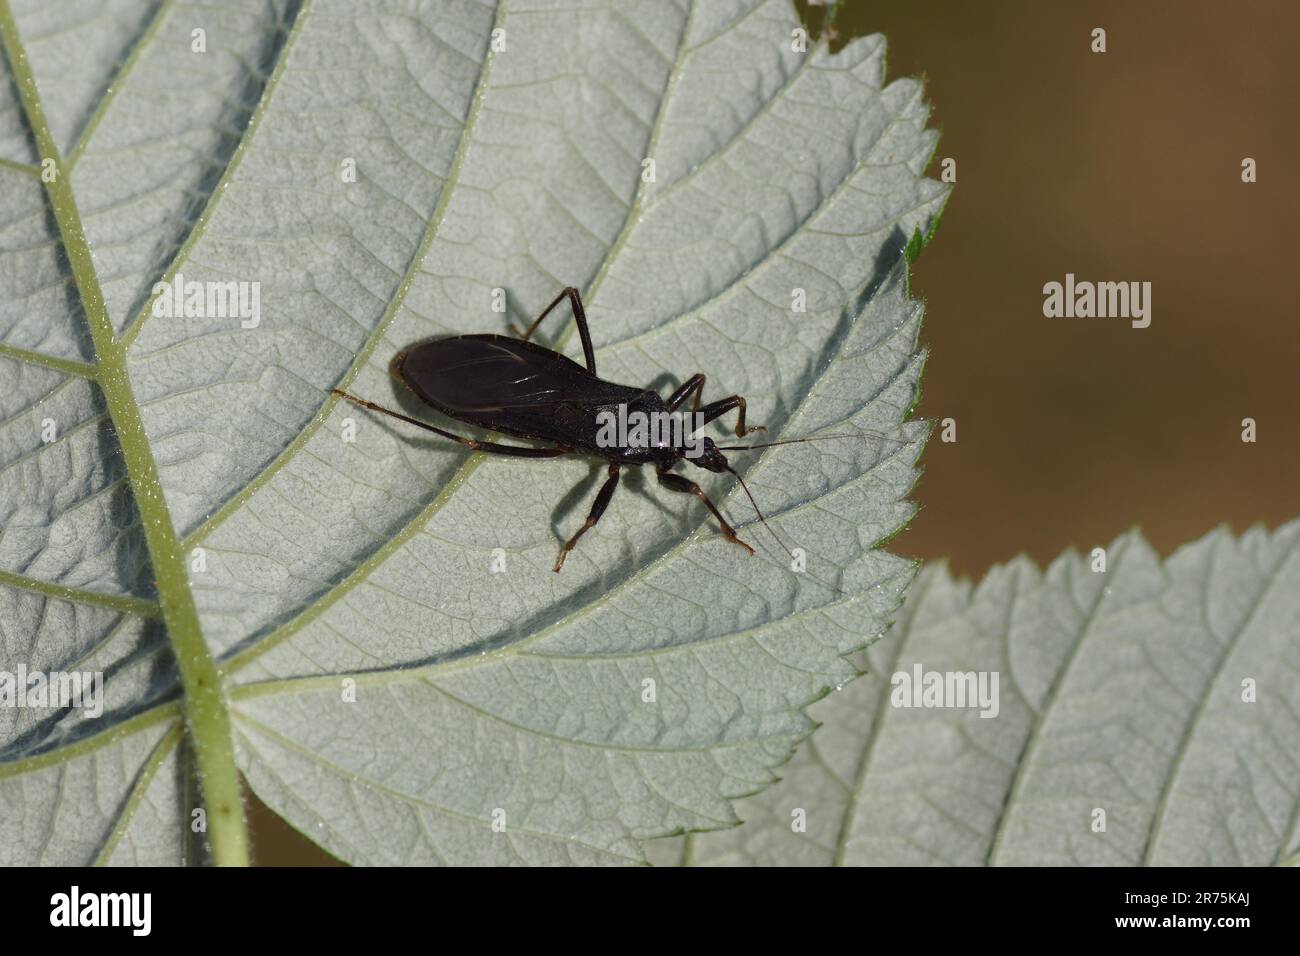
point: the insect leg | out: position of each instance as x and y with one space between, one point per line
722 406
597 509
686 486
490 447
693 384
579 316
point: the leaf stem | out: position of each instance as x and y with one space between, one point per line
206 714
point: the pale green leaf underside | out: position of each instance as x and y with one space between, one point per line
478 168
1122 691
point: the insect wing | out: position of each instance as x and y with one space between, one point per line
478 374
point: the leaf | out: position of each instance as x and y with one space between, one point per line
308 589
1122 691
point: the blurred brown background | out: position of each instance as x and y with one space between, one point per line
1117 166
1122 166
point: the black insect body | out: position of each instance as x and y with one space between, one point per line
518 388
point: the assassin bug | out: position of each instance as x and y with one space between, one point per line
519 388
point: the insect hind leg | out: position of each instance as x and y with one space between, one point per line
579 317
487 447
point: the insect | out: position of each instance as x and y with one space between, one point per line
516 387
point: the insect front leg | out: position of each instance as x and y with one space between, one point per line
695 386
597 509
579 316
722 406
687 487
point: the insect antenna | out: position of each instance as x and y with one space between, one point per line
797 441
759 512
772 531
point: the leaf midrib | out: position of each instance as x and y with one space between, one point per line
205 708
